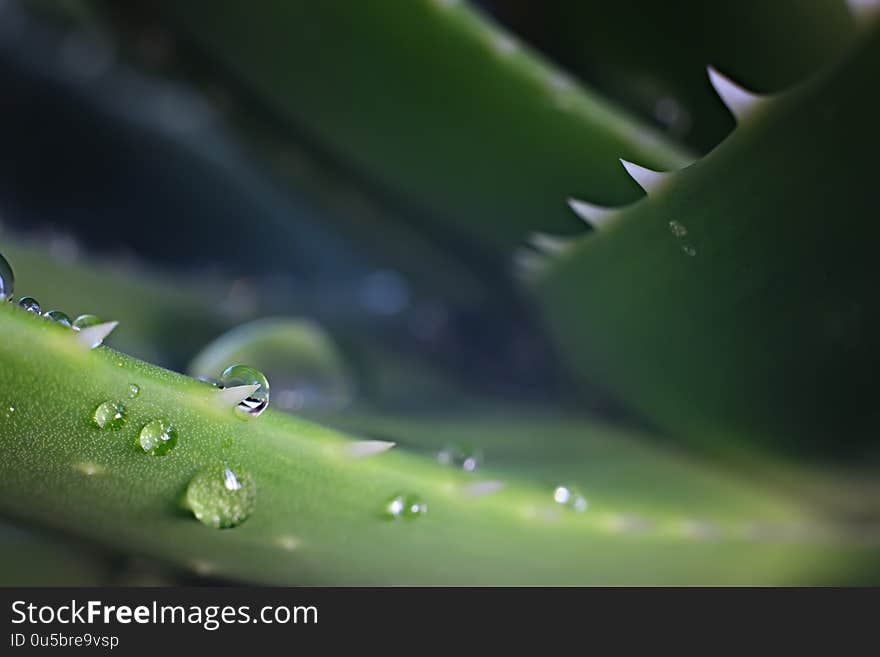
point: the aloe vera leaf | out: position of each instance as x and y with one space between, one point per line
736 304
431 101
615 47
317 516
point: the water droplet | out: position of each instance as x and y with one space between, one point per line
461 456
405 505
678 229
221 496
110 415
158 437
30 304
7 279
133 390
58 317
85 321
242 375
570 498
689 250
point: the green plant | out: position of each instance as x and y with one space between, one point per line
736 303
732 308
319 506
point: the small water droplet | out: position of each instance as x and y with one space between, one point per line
58 317
242 375
570 498
7 280
678 229
405 505
689 250
221 495
210 380
30 304
133 390
85 321
158 437
110 415
461 456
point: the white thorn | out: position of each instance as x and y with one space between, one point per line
550 244
480 488
93 336
364 448
234 395
647 179
740 102
864 10
595 215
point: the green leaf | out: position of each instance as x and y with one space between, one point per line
737 303
318 516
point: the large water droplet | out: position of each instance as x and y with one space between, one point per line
570 498
405 505
7 280
30 304
85 321
242 375
58 317
221 495
158 437
133 390
460 455
110 415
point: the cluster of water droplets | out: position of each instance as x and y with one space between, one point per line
679 230
30 304
405 505
460 455
570 498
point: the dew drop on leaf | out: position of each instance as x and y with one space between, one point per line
30 304
405 505
689 250
85 321
158 437
109 415
242 375
58 317
133 390
221 495
570 498
7 280
678 229
460 455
